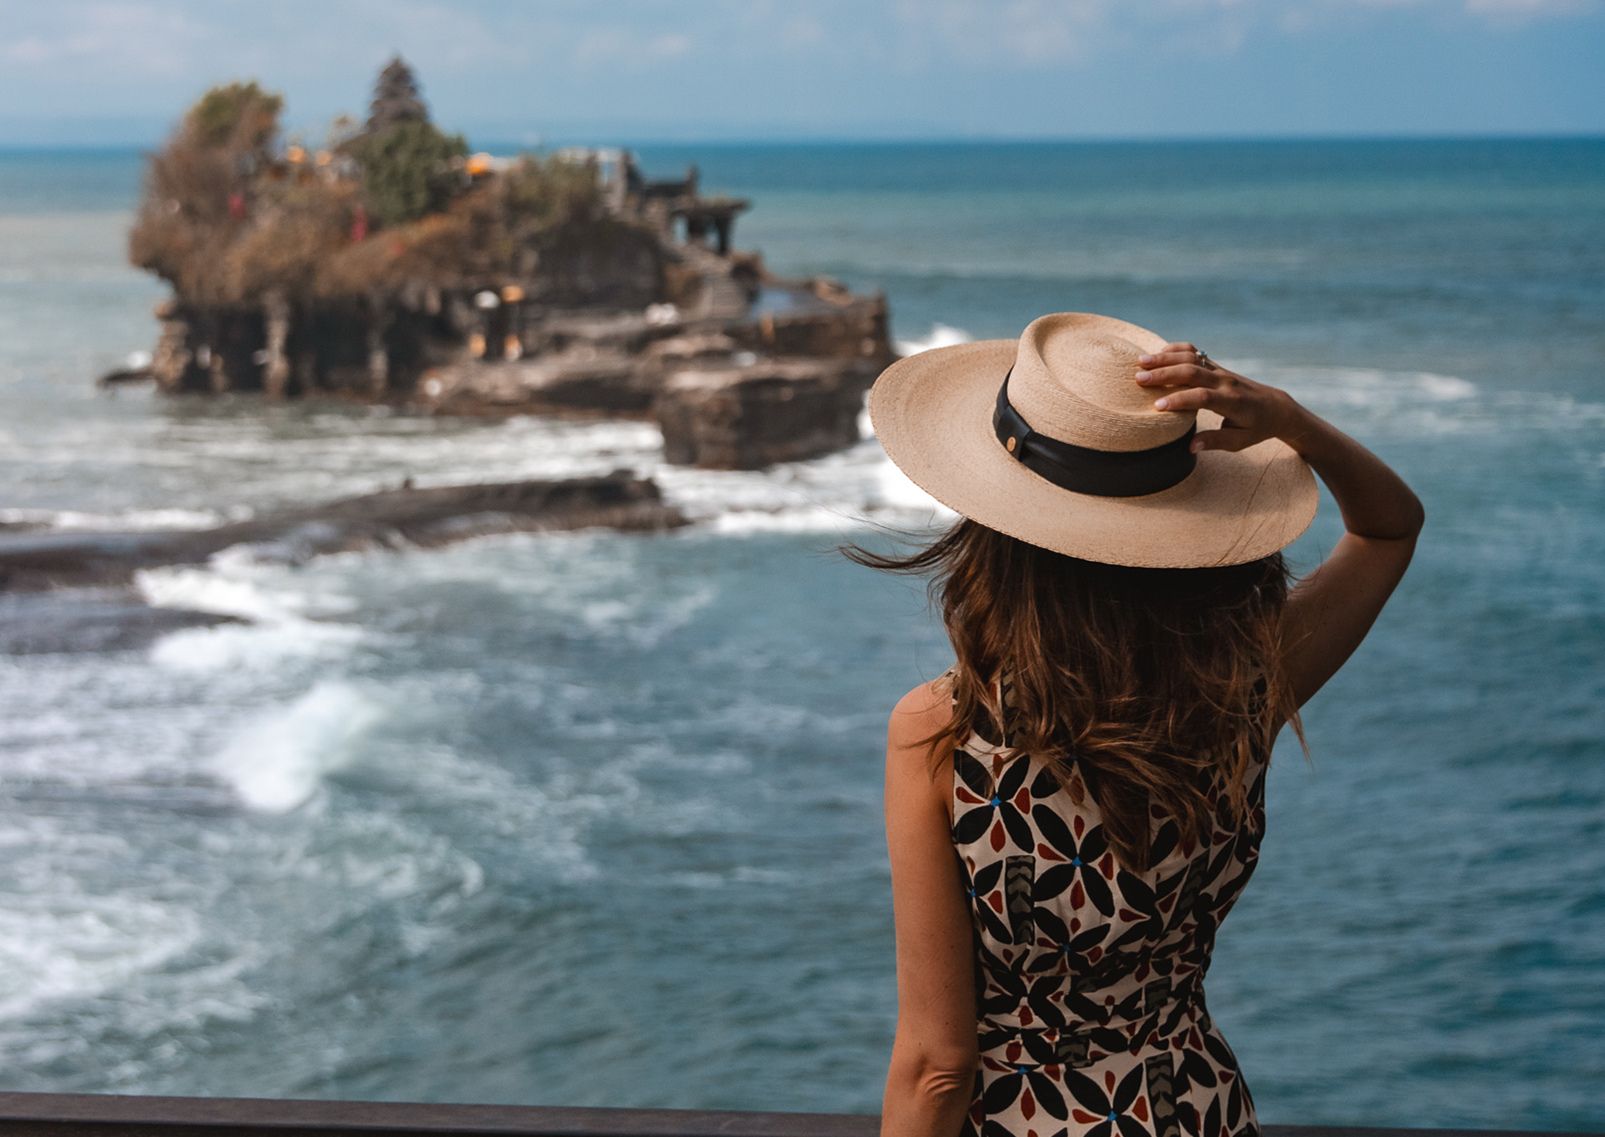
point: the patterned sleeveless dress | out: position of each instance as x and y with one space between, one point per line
1088 978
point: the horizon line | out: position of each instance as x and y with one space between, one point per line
564 138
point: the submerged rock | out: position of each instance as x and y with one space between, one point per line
90 619
432 516
121 375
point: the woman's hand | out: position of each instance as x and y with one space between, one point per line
1330 609
1252 412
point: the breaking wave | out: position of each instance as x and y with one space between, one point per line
278 613
276 760
170 518
940 335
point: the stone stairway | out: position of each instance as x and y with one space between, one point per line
723 297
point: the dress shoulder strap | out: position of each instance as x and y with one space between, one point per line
997 737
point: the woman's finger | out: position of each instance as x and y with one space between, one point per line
1225 438
1180 375
1186 400
1168 359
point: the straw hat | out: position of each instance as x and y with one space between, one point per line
1050 439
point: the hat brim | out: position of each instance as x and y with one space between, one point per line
932 412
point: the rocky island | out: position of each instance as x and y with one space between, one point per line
393 265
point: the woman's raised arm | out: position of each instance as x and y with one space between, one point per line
1332 608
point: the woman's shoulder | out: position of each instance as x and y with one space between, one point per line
914 749
921 717
921 713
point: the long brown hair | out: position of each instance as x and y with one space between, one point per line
1156 680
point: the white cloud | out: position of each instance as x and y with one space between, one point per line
1499 9
1030 32
801 31
451 34
620 44
1306 14
1523 9
116 38
668 45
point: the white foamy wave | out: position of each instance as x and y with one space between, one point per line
940 335
284 616
645 619
1361 386
206 590
531 446
1370 387
563 806
1414 403
897 491
1446 386
803 519
277 760
830 494
130 519
234 645
55 947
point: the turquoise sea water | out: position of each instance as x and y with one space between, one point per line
593 819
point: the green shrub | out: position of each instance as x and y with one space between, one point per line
236 116
408 170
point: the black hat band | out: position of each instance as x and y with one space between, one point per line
1081 469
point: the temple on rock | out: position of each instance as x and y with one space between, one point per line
392 264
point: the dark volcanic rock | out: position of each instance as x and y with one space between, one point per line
819 324
434 516
122 375
89 619
745 418
593 383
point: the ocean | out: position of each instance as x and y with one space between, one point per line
595 819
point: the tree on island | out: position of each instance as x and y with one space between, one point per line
408 171
236 116
396 97
287 264
409 166
200 189
232 218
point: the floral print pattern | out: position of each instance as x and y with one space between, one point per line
1089 978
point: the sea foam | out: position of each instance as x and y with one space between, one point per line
64 944
277 759
282 614
940 335
142 519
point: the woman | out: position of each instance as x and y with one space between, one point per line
1074 806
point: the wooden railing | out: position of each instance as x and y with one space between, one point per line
109 1115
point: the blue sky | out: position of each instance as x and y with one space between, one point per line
119 71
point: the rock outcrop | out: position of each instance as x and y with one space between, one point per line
432 516
90 620
745 418
587 382
728 394
569 283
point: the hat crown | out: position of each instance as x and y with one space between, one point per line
940 417
1074 380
